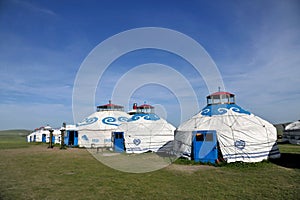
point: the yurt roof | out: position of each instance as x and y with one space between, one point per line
293 126
220 93
220 109
145 106
109 106
109 119
146 120
144 116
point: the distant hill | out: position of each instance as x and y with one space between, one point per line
15 132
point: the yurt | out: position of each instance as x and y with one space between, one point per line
42 135
144 131
223 131
96 130
38 135
291 133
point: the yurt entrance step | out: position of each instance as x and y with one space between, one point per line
204 146
118 141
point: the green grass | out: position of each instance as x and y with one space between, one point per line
289 148
10 139
37 172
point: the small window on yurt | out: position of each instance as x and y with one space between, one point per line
209 137
216 100
232 99
224 98
199 137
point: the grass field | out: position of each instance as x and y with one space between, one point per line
32 171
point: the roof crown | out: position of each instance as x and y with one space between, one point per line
220 97
110 106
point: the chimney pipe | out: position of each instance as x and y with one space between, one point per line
134 106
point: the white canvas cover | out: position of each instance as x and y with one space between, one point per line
146 132
96 130
293 126
241 135
291 133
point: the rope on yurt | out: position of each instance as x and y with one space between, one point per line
231 127
264 126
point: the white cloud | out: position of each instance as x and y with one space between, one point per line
34 7
270 85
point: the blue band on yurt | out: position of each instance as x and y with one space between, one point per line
149 116
221 109
87 121
114 121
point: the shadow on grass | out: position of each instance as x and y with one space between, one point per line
288 160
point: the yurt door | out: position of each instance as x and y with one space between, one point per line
75 138
72 138
67 137
204 146
44 138
118 138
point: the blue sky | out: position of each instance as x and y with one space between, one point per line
255 45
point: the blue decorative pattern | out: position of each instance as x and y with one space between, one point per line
137 142
122 119
240 144
85 137
95 140
144 116
113 121
221 109
87 121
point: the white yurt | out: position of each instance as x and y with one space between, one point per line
224 131
144 131
42 135
37 135
96 130
291 133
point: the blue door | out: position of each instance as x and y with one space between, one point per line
34 138
118 138
43 137
71 138
75 138
53 139
66 138
204 146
